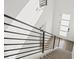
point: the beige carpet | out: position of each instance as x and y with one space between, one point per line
58 54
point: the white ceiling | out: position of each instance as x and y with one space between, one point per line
13 7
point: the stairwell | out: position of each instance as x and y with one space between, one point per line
32 18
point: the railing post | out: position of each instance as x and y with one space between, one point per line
59 42
54 42
43 42
46 2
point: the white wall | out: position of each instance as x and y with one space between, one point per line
46 18
67 7
30 13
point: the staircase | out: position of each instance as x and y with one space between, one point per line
58 54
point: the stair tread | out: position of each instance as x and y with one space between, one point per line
58 54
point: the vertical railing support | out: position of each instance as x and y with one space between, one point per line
43 42
46 2
40 39
59 42
54 42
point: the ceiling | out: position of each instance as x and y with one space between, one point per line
13 7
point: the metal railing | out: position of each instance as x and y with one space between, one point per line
41 47
45 35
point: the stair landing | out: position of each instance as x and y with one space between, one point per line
58 54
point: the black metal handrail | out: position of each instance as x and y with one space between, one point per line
21 39
45 35
28 55
24 34
20 48
21 28
21 52
26 24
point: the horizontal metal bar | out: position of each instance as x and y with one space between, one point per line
21 33
35 40
21 44
21 53
21 28
25 23
24 29
21 39
21 22
20 48
24 48
7 38
28 55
